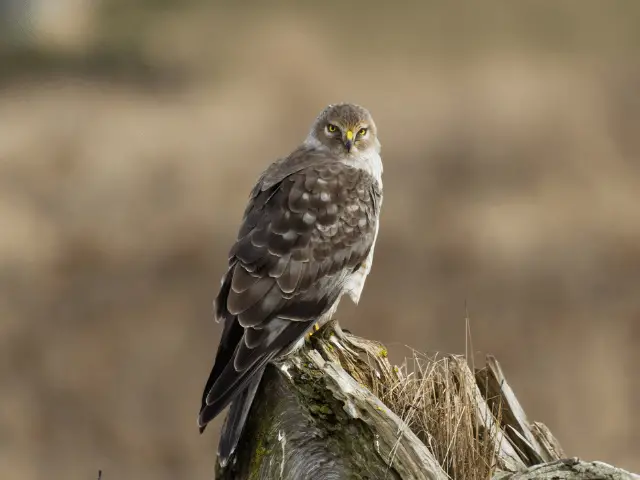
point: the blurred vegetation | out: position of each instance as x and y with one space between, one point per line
130 135
172 40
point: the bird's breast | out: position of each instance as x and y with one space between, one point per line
370 162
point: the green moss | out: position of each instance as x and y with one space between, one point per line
319 410
383 353
260 452
329 421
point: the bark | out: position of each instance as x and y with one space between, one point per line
318 415
569 469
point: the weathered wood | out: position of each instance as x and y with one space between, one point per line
569 469
507 456
535 442
337 409
313 420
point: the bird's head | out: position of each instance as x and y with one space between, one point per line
345 129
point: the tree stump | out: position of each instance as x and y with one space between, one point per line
337 409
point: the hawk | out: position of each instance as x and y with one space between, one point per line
306 239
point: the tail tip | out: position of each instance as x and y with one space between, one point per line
201 424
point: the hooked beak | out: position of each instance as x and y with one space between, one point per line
348 140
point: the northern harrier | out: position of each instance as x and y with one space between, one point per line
307 238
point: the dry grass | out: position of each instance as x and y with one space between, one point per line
452 411
468 418
437 401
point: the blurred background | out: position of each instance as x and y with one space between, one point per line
132 132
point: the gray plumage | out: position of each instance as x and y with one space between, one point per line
306 238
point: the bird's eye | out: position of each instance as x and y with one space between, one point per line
362 132
331 128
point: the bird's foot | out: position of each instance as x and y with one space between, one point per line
315 329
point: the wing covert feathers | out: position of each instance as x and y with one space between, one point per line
310 222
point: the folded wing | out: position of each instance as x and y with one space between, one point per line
307 227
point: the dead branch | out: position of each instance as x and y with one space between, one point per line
337 409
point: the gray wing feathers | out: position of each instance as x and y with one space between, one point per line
310 222
237 417
318 221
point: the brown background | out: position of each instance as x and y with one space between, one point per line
132 132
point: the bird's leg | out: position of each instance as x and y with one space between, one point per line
327 316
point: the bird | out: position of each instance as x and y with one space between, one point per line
306 238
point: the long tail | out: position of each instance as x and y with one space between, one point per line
236 419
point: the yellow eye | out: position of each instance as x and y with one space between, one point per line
332 128
362 132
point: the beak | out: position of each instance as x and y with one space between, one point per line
348 142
